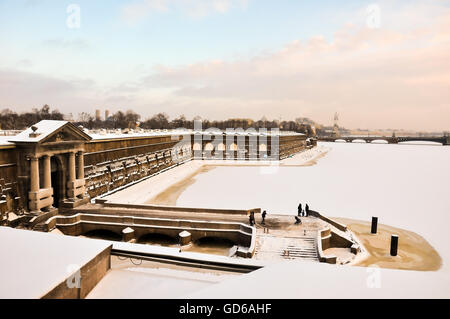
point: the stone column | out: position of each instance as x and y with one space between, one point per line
80 172
71 168
47 182
34 174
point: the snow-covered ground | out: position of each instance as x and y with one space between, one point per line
33 263
406 186
141 192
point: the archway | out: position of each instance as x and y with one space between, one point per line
380 141
103 234
213 245
209 147
57 178
158 239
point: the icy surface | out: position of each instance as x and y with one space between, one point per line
406 186
296 279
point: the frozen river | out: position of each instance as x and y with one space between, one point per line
406 186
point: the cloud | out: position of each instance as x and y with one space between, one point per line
387 77
21 90
61 43
136 11
24 63
396 76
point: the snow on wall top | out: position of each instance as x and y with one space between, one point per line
47 127
4 140
145 133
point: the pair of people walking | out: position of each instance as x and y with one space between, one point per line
252 220
301 212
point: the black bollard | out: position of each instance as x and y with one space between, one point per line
394 245
374 225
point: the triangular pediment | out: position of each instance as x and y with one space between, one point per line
48 131
66 134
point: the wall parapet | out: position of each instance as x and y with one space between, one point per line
78 224
336 224
108 204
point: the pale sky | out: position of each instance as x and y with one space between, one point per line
380 64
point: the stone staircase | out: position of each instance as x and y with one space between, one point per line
40 227
271 247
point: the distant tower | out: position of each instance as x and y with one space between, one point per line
335 125
97 115
106 114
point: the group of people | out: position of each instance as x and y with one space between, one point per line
252 220
300 213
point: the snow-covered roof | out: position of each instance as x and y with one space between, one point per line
33 263
43 129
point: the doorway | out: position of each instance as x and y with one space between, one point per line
56 181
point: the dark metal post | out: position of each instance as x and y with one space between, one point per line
394 245
374 225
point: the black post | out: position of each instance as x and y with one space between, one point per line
374 225
394 245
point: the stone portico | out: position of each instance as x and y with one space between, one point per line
51 162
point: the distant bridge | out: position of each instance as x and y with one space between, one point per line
445 140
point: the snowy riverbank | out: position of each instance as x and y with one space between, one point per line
165 188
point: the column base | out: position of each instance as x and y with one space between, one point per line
42 217
75 202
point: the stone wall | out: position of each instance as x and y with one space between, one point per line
9 190
115 162
112 163
90 275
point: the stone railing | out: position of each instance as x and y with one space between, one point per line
108 204
81 223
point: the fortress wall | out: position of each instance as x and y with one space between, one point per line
291 144
9 195
114 162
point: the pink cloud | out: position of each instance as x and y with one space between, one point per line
373 77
